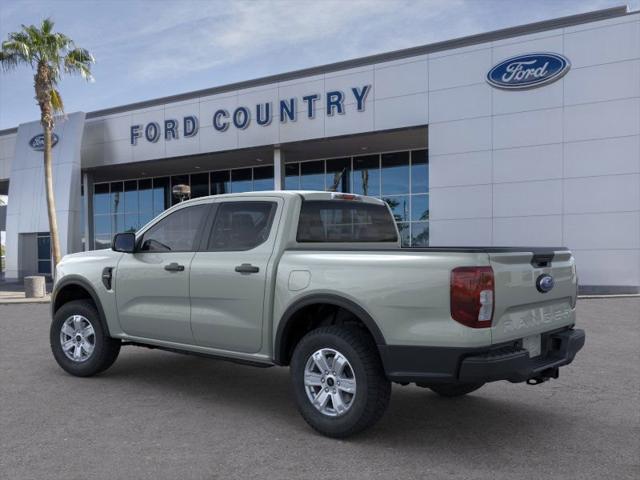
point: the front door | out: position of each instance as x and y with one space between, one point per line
228 279
152 285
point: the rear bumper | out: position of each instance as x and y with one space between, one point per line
428 365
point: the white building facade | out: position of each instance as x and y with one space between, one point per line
524 136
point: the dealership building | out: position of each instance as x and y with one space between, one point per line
528 135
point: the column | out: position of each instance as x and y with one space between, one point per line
278 169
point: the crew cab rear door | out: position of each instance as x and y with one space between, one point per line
528 302
229 274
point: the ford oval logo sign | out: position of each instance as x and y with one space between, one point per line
528 71
37 142
544 283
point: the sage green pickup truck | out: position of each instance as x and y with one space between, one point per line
317 281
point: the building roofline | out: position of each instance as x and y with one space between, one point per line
494 35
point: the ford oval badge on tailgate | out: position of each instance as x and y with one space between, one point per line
544 283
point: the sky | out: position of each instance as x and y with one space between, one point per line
150 49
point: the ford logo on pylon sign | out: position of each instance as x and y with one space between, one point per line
528 71
37 142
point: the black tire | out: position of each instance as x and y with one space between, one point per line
455 389
373 389
105 349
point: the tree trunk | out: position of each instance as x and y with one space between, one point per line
51 201
43 86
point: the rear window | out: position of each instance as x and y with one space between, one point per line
345 221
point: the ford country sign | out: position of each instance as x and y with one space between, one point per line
528 71
37 142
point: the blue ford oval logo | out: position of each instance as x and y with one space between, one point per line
528 71
37 142
544 283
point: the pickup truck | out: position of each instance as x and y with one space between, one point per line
317 281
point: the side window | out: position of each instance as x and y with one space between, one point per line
176 232
241 225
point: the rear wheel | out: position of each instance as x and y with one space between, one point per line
455 389
338 380
79 343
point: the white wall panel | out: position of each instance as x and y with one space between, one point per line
543 231
539 162
398 112
603 45
548 41
609 156
460 202
527 198
456 70
345 82
549 96
602 82
118 127
608 267
616 193
460 103
602 230
472 168
351 122
601 120
403 79
212 140
469 232
460 136
528 128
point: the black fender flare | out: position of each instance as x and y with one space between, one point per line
286 321
83 283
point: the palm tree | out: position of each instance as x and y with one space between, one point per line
50 54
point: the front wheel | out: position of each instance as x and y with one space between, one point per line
455 389
338 381
79 343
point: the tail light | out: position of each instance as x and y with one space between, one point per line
472 296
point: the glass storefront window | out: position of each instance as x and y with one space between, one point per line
241 180
199 185
161 195
401 178
220 182
101 198
405 237
44 253
312 175
131 196
399 206
366 175
395 173
292 176
339 175
419 208
145 201
419 171
420 234
117 198
263 178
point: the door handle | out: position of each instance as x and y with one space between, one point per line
247 268
174 267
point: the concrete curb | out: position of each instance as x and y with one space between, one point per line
23 300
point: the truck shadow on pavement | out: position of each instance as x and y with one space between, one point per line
496 415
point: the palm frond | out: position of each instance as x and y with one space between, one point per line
79 61
56 101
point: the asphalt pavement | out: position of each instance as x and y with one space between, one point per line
167 416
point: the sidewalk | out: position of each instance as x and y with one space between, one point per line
11 292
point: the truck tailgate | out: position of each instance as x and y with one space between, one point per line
521 308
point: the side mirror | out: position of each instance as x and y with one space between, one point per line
124 242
